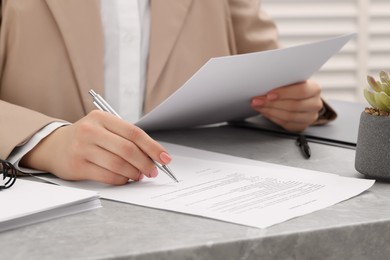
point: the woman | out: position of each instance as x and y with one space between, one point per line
53 52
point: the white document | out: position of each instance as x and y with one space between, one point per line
233 189
222 89
28 202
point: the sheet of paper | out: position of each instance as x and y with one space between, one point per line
28 202
221 90
252 194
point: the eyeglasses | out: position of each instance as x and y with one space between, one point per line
8 174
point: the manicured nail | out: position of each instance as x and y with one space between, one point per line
272 96
165 158
257 102
153 173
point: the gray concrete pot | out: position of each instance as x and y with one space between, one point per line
373 146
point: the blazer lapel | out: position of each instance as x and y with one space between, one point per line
167 18
79 23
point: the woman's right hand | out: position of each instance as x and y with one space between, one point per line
99 147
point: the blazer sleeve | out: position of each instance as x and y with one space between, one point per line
17 125
253 29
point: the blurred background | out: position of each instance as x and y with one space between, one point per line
343 77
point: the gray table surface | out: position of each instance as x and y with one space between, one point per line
358 228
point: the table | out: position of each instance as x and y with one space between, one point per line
358 228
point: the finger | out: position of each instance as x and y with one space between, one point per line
288 116
311 104
94 172
133 133
113 163
91 132
128 151
301 90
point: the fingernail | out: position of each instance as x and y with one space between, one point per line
272 96
165 158
257 102
153 173
141 176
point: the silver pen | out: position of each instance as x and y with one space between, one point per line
100 103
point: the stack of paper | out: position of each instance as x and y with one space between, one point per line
28 202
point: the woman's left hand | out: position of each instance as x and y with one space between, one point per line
293 107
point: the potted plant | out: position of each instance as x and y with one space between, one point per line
373 144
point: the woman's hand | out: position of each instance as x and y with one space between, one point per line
293 107
98 147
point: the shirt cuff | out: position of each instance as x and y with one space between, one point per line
20 151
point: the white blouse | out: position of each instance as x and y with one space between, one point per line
126 39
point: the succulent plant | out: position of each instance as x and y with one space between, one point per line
378 93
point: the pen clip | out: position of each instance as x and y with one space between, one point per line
98 106
100 103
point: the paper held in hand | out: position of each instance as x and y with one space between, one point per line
221 90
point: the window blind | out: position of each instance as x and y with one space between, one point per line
344 75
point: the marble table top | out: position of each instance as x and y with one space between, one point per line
358 228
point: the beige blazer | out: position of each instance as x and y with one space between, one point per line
51 54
